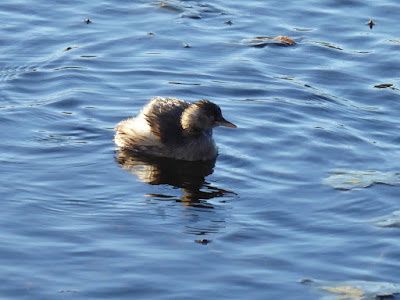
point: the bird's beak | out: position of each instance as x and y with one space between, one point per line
226 123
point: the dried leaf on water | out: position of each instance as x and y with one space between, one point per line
348 180
346 292
355 290
285 39
262 41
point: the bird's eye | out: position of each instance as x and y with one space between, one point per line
212 118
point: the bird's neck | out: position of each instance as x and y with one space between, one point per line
190 120
192 131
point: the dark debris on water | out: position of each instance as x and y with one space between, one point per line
383 85
203 241
371 23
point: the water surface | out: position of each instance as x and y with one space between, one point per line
83 221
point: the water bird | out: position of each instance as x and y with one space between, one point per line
173 128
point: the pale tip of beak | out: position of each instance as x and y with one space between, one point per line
226 124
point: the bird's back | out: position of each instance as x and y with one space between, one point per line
164 118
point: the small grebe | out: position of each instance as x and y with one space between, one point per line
170 127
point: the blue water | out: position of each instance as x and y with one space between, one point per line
81 221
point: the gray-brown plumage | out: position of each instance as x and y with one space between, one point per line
170 127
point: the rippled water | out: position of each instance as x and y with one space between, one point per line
82 221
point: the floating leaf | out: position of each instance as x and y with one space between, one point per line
285 39
355 290
262 41
346 292
361 179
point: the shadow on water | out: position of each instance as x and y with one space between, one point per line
188 176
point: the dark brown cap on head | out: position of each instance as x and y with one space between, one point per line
213 111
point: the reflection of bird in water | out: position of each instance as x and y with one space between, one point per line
173 128
187 175
153 170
